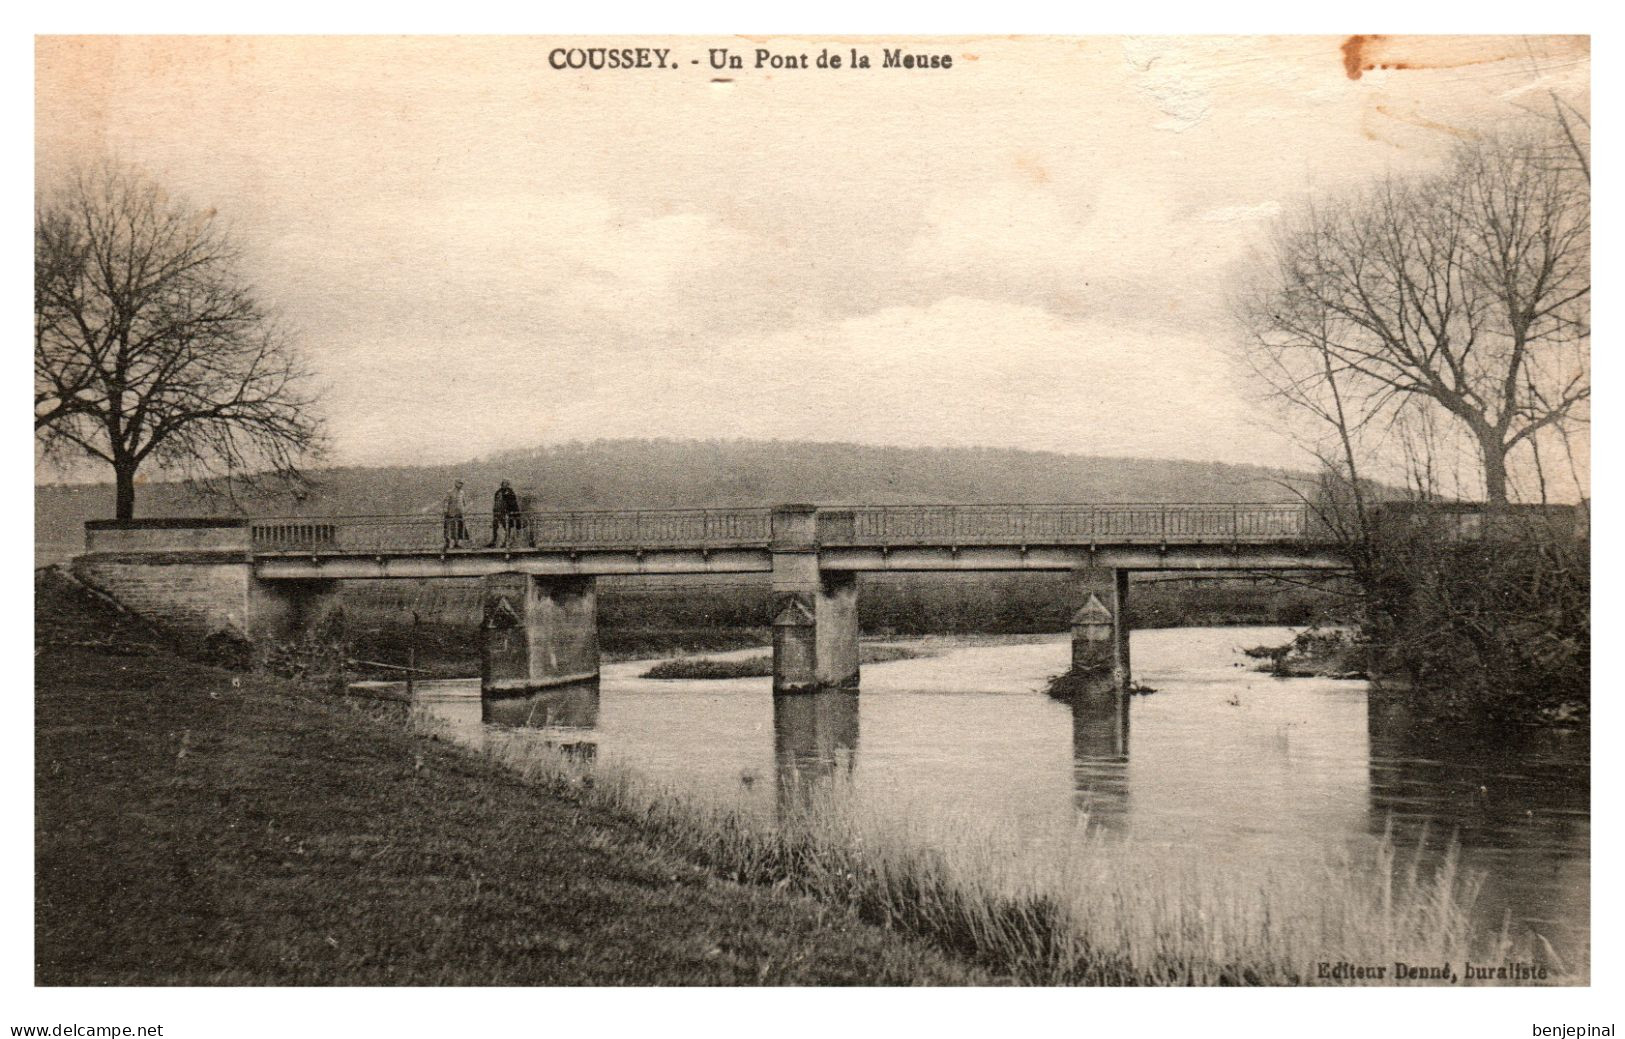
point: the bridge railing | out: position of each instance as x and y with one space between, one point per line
653 528
1059 524
650 528
876 525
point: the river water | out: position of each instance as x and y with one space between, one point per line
1220 761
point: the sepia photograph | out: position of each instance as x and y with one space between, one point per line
580 511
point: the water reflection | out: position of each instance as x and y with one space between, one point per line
568 712
1227 764
1100 757
1515 799
815 738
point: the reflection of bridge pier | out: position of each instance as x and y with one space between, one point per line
815 738
1100 729
569 711
570 706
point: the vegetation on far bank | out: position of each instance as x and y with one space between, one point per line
762 666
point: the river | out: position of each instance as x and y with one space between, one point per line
1221 761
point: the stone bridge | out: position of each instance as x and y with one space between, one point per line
272 578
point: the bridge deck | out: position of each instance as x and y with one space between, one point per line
857 538
1237 536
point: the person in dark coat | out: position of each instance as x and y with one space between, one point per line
505 516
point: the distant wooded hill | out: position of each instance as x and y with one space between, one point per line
672 473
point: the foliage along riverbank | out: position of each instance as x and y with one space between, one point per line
1493 624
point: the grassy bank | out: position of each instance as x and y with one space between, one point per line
197 826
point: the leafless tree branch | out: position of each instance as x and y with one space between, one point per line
151 349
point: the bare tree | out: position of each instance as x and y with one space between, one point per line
150 347
1466 292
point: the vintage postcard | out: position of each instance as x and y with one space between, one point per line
812 511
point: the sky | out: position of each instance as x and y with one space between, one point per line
1030 249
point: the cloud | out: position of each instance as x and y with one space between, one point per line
1163 74
1027 313
1113 250
1245 212
997 373
1019 229
480 253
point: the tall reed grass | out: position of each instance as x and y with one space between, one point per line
1087 909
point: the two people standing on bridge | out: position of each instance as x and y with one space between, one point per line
507 518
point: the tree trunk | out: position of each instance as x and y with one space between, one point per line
124 502
1495 468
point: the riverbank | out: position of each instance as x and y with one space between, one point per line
200 826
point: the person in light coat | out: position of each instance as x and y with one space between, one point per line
454 530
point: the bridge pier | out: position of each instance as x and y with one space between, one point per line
1100 628
815 614
537 633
